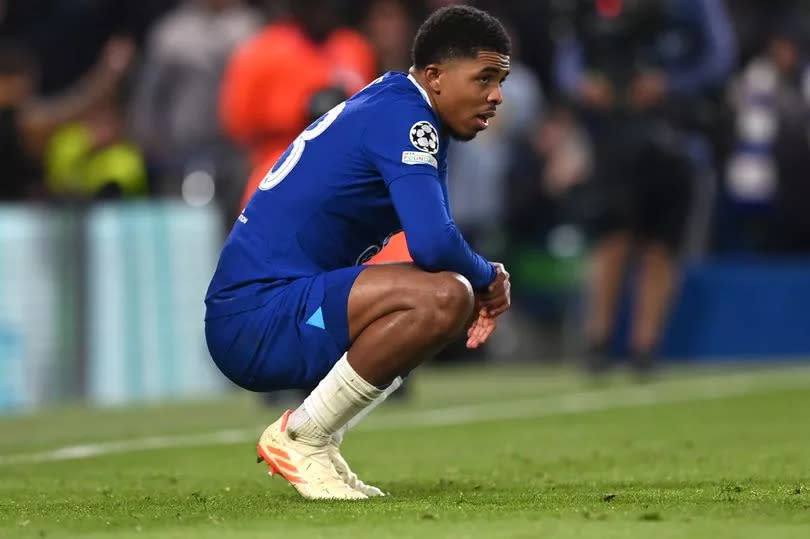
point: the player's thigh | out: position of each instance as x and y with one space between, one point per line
385 289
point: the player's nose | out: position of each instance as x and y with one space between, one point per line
495 97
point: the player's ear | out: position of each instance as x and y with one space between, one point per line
433 77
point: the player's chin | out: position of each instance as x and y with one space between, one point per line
468 134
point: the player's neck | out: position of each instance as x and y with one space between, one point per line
420 80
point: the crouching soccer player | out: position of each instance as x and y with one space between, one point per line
291 305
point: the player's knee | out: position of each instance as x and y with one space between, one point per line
452 303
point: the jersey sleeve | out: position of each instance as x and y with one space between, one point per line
403 140
434 240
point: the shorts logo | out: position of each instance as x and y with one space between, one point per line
419 158
317 319
424 137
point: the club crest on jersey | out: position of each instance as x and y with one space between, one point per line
424 137
370 251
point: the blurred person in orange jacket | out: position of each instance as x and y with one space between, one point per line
288 75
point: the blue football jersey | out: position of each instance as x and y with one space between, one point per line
326 203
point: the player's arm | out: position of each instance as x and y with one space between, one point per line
404 148
434 240
491 300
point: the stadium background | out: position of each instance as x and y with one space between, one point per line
111 224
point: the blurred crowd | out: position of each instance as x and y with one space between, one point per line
648 130
105 98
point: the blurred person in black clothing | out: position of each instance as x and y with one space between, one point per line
639 73
27 122
18 170
754 20
389 27
552 163
66 36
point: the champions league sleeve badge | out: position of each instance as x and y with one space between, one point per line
424 137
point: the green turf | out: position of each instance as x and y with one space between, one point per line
696 454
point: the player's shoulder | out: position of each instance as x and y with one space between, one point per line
391 88
394 97
397 119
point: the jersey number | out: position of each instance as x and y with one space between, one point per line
274 177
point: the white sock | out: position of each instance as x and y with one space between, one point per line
341 395
338 436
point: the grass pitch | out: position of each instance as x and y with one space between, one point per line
483 452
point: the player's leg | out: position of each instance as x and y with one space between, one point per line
340 464
397 316
400 316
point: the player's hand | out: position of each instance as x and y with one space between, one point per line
498 297
480 329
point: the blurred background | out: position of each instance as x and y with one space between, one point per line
646 181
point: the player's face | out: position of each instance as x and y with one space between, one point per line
470 93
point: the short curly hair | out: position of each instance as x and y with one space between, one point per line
458 32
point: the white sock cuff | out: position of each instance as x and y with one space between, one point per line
339 396
365 391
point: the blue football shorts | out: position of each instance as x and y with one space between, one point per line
292 340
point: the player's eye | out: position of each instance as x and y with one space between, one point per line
484 79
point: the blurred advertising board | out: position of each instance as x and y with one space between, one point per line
104 303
